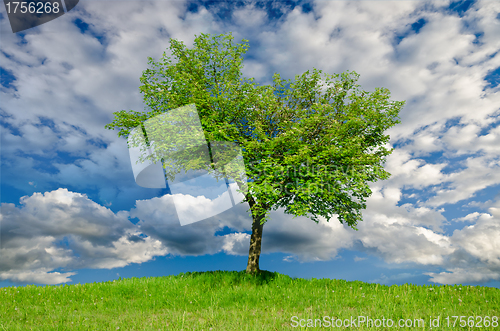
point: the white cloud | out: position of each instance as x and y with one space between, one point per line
249 17
395 234
480 172
63 229
236 243
307 240
103 239
283 233
460 276
397 243
481 239
42 276
413 172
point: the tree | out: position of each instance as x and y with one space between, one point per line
310 146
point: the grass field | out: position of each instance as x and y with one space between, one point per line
223 300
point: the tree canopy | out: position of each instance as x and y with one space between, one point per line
310 145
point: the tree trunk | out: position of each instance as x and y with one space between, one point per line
256 237
255 245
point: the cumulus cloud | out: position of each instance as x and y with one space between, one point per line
63 229
68 84
304 238
282 233
479 173
402 234
481 239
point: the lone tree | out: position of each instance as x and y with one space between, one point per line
310 146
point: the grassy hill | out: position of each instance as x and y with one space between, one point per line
224 300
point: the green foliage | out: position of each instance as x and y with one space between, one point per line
311 145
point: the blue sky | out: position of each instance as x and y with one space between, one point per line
72 212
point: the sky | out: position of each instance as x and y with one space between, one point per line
71 211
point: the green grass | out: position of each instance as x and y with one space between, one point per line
223 300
